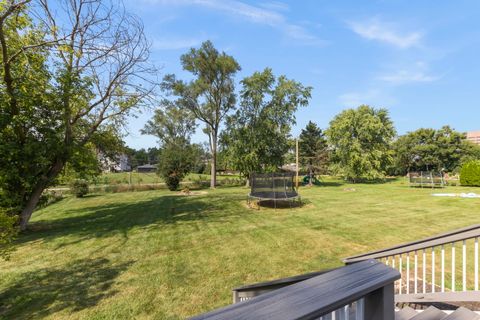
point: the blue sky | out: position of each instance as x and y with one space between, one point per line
418 59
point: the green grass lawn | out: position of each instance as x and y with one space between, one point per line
158 255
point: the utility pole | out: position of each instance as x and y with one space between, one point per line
296 167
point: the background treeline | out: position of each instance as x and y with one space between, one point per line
249 130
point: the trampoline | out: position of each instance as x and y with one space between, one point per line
426 179
279 186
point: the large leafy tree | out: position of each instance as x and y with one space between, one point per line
66 75
257 135
173 126
429 149
313 150
210 96
360 141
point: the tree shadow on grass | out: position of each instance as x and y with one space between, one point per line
78 285
120 218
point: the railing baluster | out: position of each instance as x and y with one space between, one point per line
400 270
393 266
424 284
453 266
359 306
408 272
433 269
346 312
476 264
416 272
443 268
464 266
419 251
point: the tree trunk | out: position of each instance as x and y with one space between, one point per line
34 197
27 211
213 172
310 176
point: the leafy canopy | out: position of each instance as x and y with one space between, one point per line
360 141
256 137
173 126
428 149
68 75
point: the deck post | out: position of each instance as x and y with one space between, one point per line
380 304
236 298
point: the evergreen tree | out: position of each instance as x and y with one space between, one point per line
313 150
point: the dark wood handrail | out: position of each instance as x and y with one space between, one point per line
441 239
252 290
317 296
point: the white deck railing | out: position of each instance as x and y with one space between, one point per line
445 263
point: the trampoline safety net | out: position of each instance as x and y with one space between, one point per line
273 186
426 178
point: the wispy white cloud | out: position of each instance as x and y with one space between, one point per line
275 5
175 43
416 73
406 76
373 97
267 15
376 30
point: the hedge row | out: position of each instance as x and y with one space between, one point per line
470 174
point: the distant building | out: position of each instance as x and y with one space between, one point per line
147 168
120 163
474 136
292 167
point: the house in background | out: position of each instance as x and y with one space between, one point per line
120 163
474 136
147 168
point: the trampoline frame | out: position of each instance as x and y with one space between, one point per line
288 194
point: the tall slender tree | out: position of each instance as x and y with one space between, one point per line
211 95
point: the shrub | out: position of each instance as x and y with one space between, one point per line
79 187
8 233
172 181
470 174
49 197
176 161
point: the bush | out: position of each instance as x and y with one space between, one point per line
470 174
8 233
79 187
176 162
49 197
172 182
